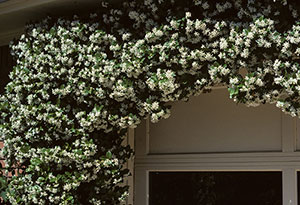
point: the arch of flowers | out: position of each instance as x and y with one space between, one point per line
80 83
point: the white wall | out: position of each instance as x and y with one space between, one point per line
214 123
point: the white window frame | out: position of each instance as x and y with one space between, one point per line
287 161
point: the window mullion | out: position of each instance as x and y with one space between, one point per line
289 181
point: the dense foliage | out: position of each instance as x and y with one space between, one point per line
80 83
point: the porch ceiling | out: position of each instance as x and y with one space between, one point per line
14 14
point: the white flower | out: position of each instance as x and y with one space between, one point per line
223 43
234 81
188 14
259 82
159 33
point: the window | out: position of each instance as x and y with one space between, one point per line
223 188
212 136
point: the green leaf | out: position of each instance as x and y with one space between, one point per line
109 154
3 196
233 92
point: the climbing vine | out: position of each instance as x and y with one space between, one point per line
79 83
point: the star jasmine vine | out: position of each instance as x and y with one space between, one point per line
79 83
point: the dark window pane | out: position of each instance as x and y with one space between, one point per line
298 184
215 188
6 64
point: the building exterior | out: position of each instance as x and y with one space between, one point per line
210 134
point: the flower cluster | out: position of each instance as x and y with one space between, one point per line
79 84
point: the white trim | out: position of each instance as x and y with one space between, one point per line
130 166
14 14
141 187
147 136
129 181
141 136
226 161
289 133
289 181
12 9
5 38
297 134
17 5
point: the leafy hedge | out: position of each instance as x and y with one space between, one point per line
80 83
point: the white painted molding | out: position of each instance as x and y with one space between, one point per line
288 132
18 5
228 161
14 10
147 136
130 166
14 14
5 38
289 180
